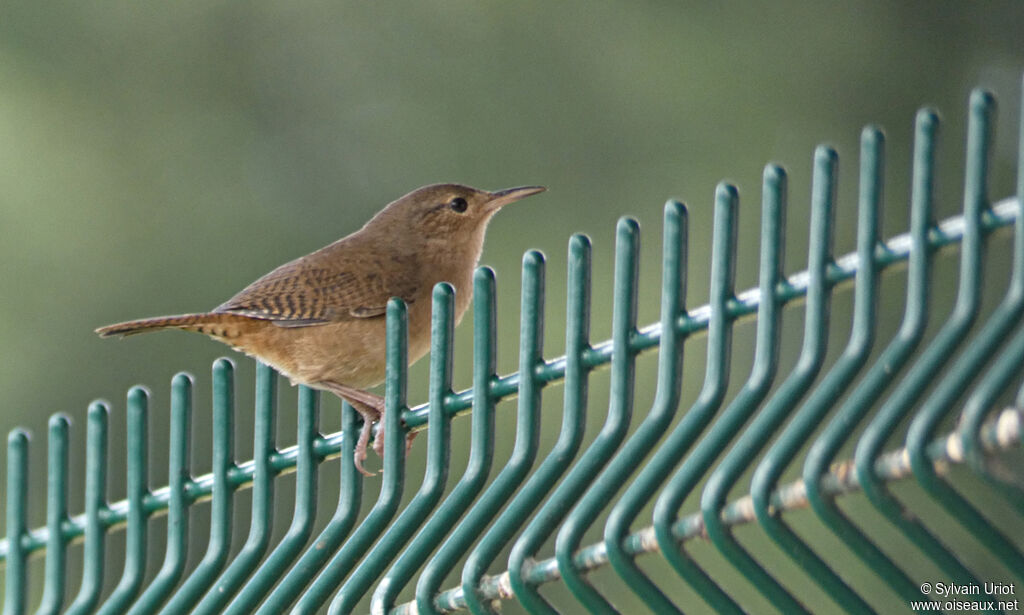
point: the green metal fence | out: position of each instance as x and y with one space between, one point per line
805 437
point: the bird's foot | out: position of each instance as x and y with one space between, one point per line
371 407
378 440
370 415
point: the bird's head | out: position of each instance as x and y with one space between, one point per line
447 212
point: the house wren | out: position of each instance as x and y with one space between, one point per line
319 319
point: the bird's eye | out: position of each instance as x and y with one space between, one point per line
458 205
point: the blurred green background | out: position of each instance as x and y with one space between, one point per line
154 159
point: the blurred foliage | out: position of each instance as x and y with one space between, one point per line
156 158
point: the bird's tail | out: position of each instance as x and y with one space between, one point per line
211 323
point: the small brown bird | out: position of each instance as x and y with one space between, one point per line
319 319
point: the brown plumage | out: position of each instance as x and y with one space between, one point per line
319 319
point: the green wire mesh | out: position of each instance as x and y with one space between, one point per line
801 439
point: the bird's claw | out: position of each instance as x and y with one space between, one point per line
378 441
360 454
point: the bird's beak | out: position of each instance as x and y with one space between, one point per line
503 197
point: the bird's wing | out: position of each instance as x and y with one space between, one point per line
316 289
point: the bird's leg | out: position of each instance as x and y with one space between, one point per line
371 407
370 415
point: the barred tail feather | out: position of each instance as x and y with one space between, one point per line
209 323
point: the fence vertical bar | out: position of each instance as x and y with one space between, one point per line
345 515
825 395
95 504
975 411
137 480
262 498
221 505
793 388
16 577
716 381
670 357
531 343
577 342
481 448
531 335
394 466
885 369
438 453
617 420
56 514
984 346
570 435
620 413
668 392
656 470
922 373
177 511
303 517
